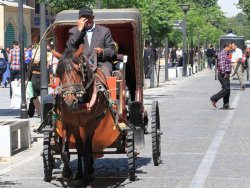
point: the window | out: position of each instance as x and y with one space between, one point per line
9 35
36 21
37 8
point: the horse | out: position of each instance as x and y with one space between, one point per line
80 104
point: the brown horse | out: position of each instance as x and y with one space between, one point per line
81 105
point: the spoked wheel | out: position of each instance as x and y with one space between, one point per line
131 155
156 133
48 160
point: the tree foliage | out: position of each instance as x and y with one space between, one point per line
59 5
245 6
204 19
240 25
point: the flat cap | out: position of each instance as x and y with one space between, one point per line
85 11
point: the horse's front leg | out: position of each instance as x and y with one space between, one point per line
88 160
79 149
66 173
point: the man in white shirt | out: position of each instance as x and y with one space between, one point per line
179 55
237 67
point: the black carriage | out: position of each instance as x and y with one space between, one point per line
126 135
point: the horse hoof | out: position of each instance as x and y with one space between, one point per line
67 175
66 178
87 184
79 175
89 178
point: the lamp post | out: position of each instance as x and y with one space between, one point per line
185 8
98 4
166 54
23 108
43 55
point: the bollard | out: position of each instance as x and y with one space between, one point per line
176 72
216 70
196 69
248 62
189 71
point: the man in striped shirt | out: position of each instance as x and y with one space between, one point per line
224 70
14 61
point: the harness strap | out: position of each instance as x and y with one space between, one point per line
102 78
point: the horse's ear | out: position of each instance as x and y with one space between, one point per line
79 51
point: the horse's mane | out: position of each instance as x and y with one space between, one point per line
65 62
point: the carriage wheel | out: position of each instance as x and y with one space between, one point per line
48 160
156 133
131 155
47 157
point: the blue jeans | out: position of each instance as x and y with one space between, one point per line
6 75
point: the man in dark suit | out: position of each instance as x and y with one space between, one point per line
94 37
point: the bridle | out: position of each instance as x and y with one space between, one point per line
79 66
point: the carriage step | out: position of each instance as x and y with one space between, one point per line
46 130
135 113
129 129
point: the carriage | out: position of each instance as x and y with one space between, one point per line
122 129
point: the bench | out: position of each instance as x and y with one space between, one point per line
14 136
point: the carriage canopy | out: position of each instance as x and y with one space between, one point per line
125 26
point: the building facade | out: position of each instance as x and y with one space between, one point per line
9 26
35 19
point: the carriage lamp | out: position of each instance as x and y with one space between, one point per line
185 8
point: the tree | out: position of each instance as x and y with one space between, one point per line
245 6
59 5
205 16
240 25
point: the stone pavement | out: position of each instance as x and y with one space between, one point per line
201 146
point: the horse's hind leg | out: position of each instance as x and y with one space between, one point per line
66 173
88 160
79 148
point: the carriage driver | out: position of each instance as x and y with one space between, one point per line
94 37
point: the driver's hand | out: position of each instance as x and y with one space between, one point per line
99 51
81 23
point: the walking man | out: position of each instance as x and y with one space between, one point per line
224 70
211 56
237 65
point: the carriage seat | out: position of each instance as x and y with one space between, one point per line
119 66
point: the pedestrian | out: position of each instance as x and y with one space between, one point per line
179 55
146 61
94 37
237 65
173 56
28 57
34 75
211 56
224 70
14 61
3 64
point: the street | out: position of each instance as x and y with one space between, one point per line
200 146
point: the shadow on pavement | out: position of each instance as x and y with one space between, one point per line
109 172
10 112
8 183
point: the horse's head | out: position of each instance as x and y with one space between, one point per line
76 77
